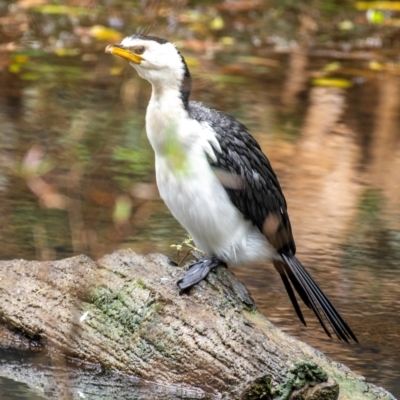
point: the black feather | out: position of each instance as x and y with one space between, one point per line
316 298
279 267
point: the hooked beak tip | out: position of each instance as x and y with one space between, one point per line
109 48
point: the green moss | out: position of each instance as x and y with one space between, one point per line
120 313
301 374
261 389
157 307
139 283
251 309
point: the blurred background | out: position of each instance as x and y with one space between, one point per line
316 82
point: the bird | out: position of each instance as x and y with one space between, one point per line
217 182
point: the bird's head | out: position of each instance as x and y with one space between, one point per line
155 60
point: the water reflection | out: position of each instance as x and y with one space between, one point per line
37 377
76 174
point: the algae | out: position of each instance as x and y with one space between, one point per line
299 375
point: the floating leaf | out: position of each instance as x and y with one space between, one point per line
378 5
20 58
62 9
217 23
376 66
228 41
192 62
346 25
332 66
14 68
375 17
116 71
332 82
30 76
63 52
107 34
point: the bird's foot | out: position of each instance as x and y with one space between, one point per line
197 272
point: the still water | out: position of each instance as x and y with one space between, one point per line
77 176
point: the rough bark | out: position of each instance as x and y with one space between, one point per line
124 313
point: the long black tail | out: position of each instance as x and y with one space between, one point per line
313 297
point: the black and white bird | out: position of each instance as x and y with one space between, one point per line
216 181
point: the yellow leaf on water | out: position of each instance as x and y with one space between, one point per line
20 58
63 52
62 9
14 68
192 62
346 25
217 23
116 71
107 34
332 82
228 41
378 5
18 61
332 66
376 66
30 76
375 16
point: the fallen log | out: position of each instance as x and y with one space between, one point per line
124 313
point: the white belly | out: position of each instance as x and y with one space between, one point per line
198 201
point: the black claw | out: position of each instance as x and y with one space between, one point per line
197 272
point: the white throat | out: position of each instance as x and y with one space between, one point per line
165 119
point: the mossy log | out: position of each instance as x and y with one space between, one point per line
124 312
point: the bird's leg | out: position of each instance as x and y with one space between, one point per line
198 271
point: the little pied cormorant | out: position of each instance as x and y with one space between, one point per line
216 181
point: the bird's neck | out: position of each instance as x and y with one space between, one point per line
165 119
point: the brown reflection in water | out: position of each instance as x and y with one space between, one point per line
296 79
385 146
323 171
319 172
296 75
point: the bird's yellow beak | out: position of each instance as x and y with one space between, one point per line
123 52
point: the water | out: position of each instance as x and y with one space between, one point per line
76 174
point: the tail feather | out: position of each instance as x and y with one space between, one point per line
307 295
280 268
312 296
311 301
338 324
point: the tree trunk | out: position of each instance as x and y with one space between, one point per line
125 313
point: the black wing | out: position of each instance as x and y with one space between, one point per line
248 178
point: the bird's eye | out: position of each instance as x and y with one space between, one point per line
138 49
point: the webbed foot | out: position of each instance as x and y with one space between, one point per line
198 271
